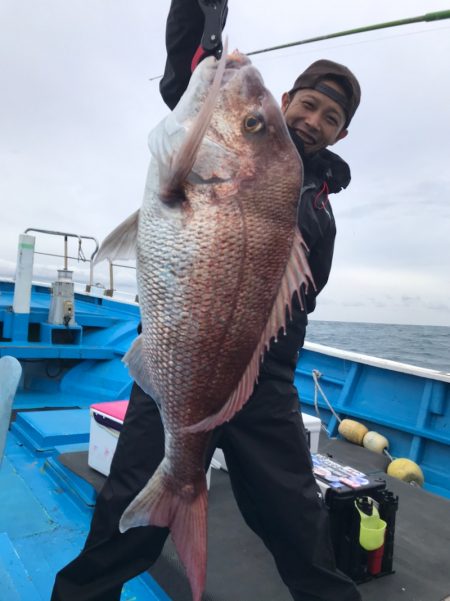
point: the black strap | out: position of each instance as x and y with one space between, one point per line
333 94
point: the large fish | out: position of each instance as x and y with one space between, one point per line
219 257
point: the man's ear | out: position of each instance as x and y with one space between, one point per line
285 102
341 135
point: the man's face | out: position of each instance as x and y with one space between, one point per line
317 119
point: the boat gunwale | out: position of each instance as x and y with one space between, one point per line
389 364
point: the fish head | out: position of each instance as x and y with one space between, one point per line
247 136
244 135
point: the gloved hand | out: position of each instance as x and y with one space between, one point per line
215 12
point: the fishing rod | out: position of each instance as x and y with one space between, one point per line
435 16
428 17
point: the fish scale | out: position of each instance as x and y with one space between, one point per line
219 258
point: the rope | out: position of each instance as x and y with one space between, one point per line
81 256
388 455
318 388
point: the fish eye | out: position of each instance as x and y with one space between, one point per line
253 123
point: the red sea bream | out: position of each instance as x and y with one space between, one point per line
219 257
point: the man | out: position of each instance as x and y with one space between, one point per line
264 444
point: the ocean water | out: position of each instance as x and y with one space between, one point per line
424 346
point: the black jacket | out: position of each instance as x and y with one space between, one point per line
324 173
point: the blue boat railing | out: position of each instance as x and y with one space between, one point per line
408 405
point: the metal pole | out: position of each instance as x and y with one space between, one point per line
66 252
110 290
436 16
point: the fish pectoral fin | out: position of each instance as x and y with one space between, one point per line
235 402
158 504
173 178
214 164
121 242
134 360
297 275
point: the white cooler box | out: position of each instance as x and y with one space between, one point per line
107 420
312 427
106 423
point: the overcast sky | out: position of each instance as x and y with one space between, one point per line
77 103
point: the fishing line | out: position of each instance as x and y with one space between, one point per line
345 45
326 48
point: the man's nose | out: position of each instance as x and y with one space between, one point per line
313 120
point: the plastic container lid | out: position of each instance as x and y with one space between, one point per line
114 409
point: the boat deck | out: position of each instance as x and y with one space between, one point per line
47 498
47 491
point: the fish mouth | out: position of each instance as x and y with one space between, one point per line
234 64
195 178
237 60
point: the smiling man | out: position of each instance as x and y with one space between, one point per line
318 110
265 444
321 105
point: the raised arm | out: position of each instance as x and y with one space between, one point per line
192 32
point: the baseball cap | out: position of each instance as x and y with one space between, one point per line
316 74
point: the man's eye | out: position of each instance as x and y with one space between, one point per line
332 121
307 105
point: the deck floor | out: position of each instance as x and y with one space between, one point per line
241 569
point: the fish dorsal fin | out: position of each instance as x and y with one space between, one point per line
121 242
296 275
173 178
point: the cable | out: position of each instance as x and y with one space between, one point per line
317 388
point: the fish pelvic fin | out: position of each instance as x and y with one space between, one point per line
121 242
134 360
296 276
173 178
162 503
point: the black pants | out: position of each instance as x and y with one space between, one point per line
270 470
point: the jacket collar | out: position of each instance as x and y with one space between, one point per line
330 168
325 165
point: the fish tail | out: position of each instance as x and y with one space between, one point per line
162 503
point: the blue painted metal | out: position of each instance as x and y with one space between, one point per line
16 584
17 500
47 329
46 509
412 412
90 368
52 351
16 326
42 431
79 489
42 529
